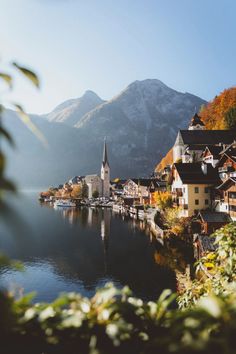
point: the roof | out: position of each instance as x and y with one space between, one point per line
192 173
146 182
196 120
214 216
205 137
105 155
207 243
214 150
195 147
227 184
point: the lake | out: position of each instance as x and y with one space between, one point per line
78 250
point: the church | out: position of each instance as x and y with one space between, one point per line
191 143
100 184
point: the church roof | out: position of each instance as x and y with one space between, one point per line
205 137
196 120
105 155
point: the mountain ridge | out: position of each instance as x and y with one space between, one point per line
140 125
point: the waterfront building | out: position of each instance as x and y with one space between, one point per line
192 185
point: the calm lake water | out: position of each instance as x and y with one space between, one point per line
78 250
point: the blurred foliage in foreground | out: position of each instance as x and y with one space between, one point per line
113 321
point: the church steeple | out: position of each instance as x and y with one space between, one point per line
196 123
105 173
105 155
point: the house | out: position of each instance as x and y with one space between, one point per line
138 189
227 200
117 188
191 186
143 188
76 180
212 220
195 141
211 154
202 244
227 162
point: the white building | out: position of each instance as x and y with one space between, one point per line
94 183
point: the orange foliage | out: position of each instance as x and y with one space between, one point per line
167 160
213 113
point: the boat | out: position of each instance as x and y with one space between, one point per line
64 203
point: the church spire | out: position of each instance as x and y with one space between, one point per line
105 155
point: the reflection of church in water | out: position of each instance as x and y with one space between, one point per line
91 217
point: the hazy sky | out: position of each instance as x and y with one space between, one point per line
104 45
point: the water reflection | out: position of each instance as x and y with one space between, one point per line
81 249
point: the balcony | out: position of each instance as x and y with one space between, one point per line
232 174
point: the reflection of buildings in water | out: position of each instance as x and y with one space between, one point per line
105 234
90 216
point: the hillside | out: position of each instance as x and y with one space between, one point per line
212 114
140 124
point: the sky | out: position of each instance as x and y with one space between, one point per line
104 45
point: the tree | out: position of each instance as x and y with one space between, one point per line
95 194
84 190
76 191
230 119
163 200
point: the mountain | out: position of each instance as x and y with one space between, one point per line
140 125
70 112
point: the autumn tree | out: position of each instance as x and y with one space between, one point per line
76 191
163 200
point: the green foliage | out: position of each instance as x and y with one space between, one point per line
95 194
84 190
230 119
114 321
216 271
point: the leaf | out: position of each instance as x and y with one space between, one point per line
28 122
7 135
29 74
7 185
7 78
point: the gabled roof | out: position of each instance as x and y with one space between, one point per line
214 216
196 120
227 184
206 137
146 182
214 150
206 243
192 173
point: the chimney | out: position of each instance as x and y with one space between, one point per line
204 168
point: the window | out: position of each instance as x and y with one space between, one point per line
196 201
206 201
206 190
196 189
